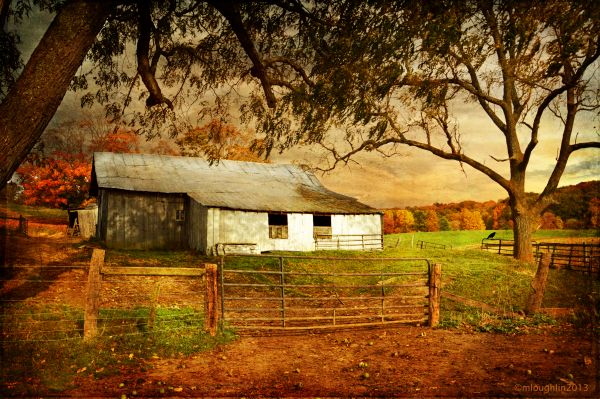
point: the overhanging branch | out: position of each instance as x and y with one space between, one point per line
233 16
146 69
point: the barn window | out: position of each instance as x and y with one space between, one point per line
179 215
278 225
322 226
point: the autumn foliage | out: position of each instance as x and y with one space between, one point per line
575 207
59 176
217 140
57 181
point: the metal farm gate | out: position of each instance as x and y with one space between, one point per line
299 292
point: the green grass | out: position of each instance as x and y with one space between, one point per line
49 214
138 257
471 238
44 345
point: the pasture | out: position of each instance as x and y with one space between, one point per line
152 340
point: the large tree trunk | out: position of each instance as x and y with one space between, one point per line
524 219
33 100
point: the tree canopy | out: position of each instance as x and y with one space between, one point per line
175 55
397 73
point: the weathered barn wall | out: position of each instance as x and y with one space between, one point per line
197 225
87 220
102 215
137 220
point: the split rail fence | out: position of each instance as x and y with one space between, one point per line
298 292
583 257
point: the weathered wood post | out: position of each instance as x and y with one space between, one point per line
153 306
435 285
538 285
92 304
211 306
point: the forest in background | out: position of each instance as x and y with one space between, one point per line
575 207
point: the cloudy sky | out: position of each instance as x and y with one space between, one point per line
414 177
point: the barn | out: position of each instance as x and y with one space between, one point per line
169 202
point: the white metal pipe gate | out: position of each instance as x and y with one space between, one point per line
300 292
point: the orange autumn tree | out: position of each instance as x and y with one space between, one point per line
217 140
117 140
58 176
57 181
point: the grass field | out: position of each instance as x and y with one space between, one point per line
467 271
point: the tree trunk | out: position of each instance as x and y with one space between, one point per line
523 232
39 90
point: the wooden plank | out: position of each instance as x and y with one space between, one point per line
90 322
152 271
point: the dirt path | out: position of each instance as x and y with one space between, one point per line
407 361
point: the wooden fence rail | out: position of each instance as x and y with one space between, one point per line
425 244
94 284
584 257
348 241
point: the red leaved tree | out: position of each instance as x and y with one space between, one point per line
58 176
59 180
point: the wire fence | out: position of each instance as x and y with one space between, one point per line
47 304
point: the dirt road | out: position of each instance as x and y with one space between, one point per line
407 362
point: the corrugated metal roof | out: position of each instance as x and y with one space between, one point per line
226 184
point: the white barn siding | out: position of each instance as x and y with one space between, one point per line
355 224
243 227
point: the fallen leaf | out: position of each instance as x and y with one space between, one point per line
81 370
178 389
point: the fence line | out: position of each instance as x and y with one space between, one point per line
583 257
424 244
58 325
348 241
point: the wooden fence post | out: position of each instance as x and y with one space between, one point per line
153 306
534 302
92 304
435 285
211 306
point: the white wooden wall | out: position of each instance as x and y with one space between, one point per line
211 226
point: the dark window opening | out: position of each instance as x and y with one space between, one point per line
179 215
278 225
322 226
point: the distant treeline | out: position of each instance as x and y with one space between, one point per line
575 207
